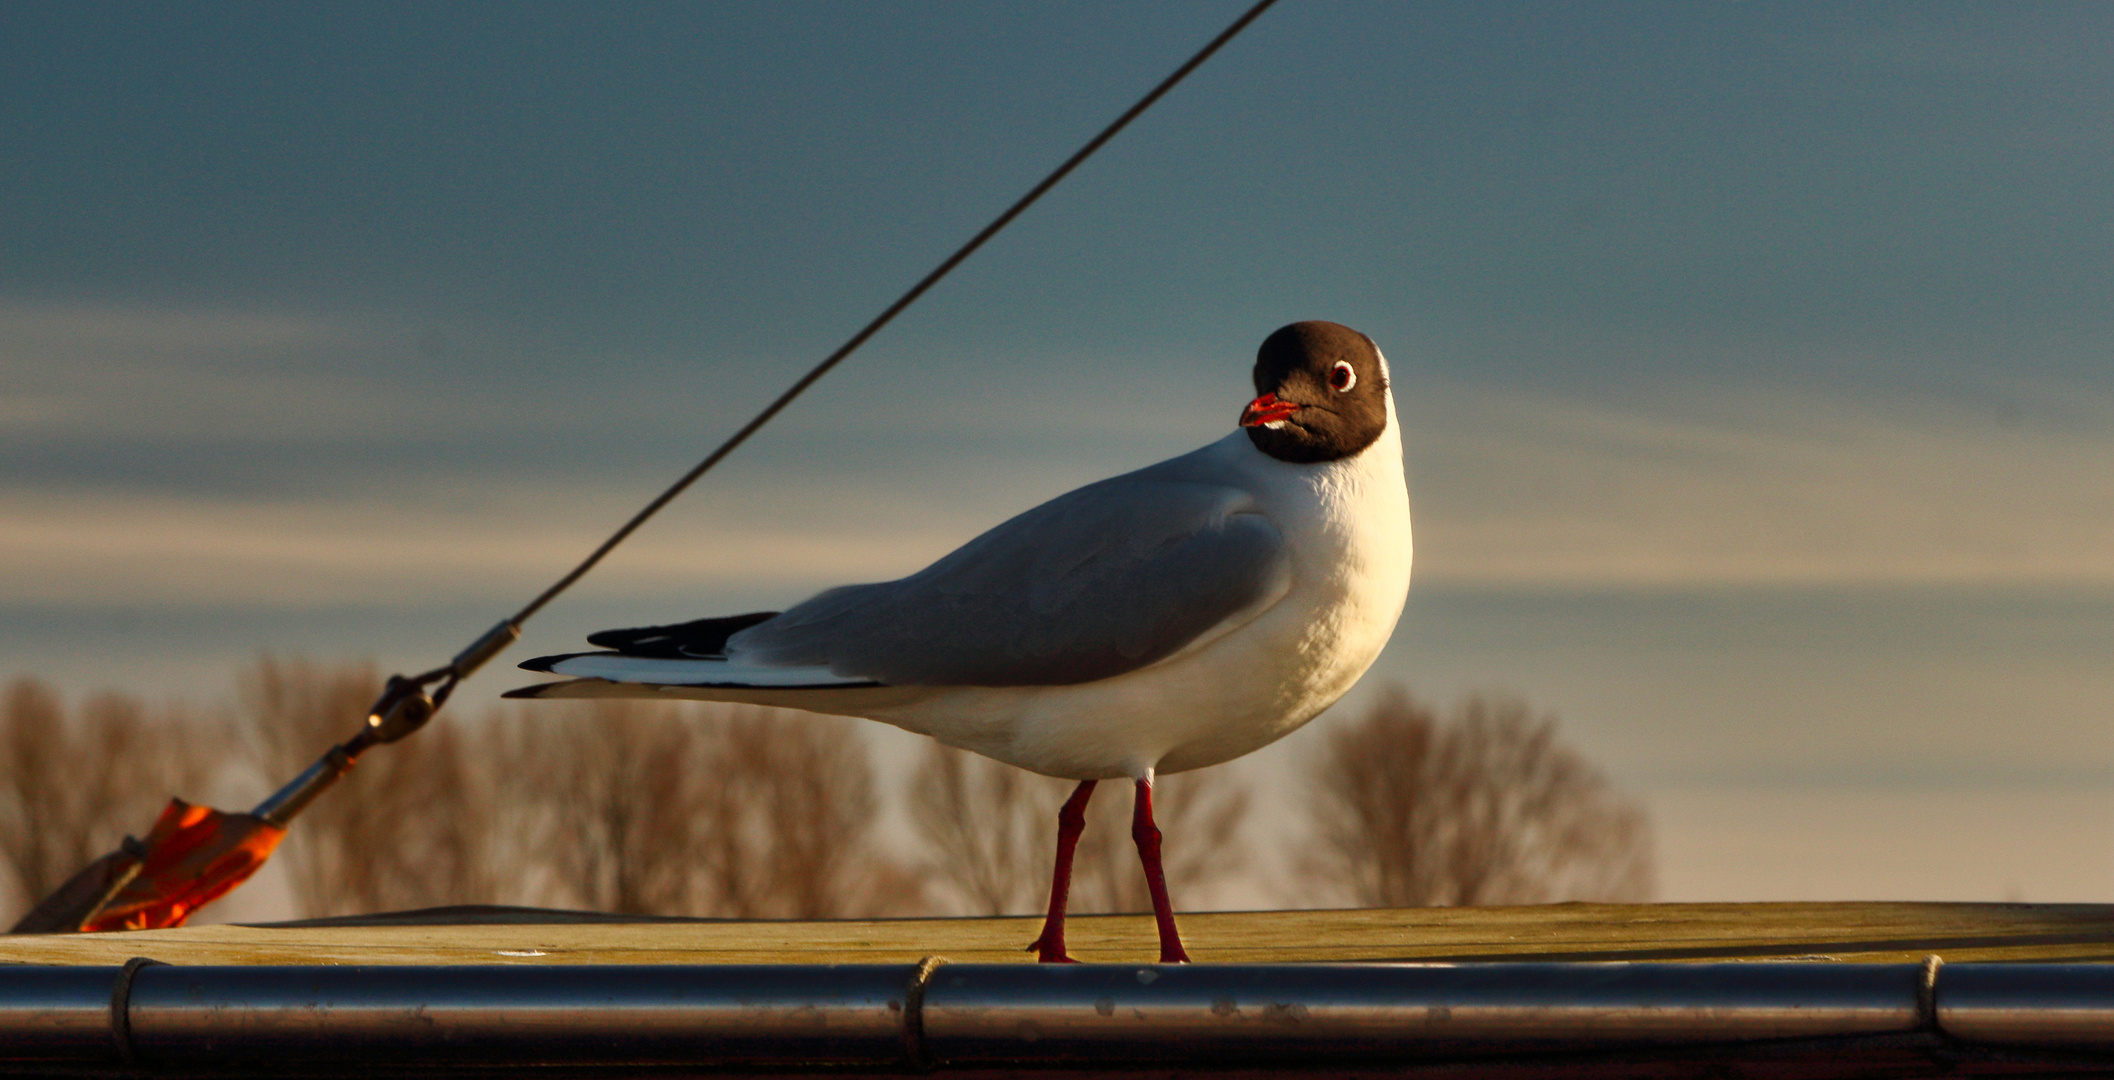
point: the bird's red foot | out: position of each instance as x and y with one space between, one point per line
1049 952
1173 954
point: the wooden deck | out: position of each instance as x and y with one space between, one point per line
1857 932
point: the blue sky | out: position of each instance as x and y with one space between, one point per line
1753 357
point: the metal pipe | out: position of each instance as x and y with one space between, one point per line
1280 1014
2037 1005
495 1015
57 1014
899 1016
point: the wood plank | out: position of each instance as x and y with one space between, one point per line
1862 932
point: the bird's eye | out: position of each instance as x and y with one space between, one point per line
1341 377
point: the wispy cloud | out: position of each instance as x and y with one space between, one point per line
100 550
1743 486
214 375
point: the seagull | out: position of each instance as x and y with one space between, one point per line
1163 620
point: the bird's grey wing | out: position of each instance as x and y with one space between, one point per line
1092 584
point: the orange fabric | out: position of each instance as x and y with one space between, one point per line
195 854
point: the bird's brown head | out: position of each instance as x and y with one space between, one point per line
1321 394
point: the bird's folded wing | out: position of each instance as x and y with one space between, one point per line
1096 583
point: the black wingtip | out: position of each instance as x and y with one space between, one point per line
548 664
697 639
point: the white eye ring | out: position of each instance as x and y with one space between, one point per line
1342 377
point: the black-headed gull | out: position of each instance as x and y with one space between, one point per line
1166 619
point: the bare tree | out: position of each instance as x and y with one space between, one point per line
1487 808
991 829
71 787
447 833
612 785
792 834
706 810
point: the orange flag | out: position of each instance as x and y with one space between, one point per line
193 855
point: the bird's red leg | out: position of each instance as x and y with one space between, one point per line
1071 821
1147 836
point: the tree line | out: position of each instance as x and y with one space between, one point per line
664 808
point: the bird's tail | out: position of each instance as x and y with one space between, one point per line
616 674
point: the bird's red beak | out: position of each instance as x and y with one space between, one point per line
1267 409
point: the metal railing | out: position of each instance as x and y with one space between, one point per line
318 1020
